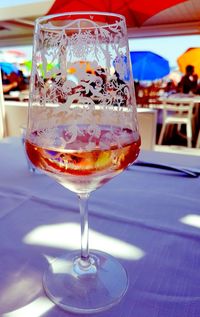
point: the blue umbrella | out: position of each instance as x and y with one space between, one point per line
147 65
8 68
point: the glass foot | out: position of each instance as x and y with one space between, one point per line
85 286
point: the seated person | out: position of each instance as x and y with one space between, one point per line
189 81
8 85
170 88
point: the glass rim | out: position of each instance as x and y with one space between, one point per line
73 13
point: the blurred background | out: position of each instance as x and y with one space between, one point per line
164 37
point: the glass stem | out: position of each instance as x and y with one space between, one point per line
83 205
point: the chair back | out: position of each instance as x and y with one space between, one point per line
175 111
2 111
147 121
15 117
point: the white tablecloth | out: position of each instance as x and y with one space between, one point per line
149 219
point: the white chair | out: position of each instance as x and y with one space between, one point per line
3 131
176 113
15 117
147 121
198 140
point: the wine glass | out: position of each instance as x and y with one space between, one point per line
82 130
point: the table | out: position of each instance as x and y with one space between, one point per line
17 95
179 98
148 218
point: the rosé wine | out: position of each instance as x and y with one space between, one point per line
81 169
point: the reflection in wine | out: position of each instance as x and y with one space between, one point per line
81 169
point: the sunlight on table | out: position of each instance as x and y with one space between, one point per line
35 309
67 236
191 220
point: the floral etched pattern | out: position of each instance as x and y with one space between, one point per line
80 67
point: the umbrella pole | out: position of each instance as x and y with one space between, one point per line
3 130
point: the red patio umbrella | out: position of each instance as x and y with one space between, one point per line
16 53
136 12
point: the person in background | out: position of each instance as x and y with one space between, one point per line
13 82
189 81
8 85
170 88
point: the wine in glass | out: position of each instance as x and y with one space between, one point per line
82 131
